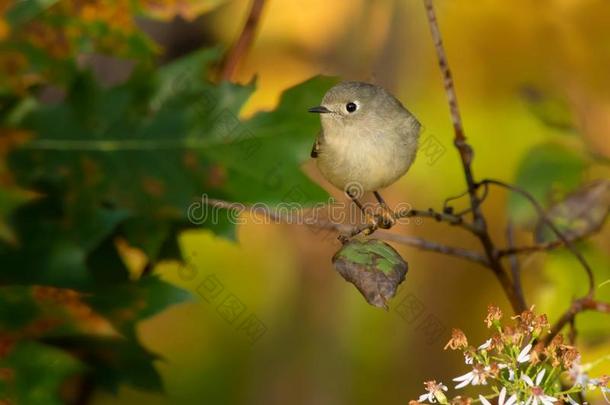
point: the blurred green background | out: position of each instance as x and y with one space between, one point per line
114 123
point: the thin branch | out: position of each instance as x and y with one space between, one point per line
433 246
456 118
448 78
244 42
438 216
416 242
451 219
578 306
466 156
552 226
453 198
545 246
448 209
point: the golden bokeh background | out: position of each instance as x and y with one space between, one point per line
323 344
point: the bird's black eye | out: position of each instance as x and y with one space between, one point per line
351 107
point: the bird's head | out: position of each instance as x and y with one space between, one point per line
354 104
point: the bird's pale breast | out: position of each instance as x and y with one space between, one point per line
372 161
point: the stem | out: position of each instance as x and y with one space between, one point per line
578 306
448 79
519 250
434 247
440 217
517 301
244 42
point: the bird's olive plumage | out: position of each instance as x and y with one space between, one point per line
368 138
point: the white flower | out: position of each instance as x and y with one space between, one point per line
427 396
540 376
484 400
511 400
524 356
468 359
485 345
527 379
571 400
476 377
538 394
434 391
530 382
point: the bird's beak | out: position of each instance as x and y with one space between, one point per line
320 110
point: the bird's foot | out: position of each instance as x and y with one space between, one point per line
385 218
372 222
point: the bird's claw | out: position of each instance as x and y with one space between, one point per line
373 224
369 230
385 219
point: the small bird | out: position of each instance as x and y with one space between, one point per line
367 142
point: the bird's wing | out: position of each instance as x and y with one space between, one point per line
315 149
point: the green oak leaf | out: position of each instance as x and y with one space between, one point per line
34 312
114 361
57 244
374 267
128 162
151 147
128 303
88 324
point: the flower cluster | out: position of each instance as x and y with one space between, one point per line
517 366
